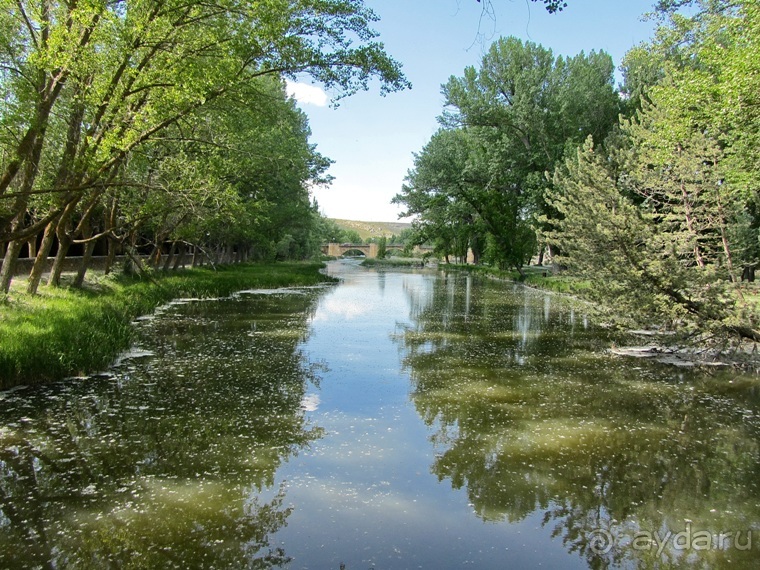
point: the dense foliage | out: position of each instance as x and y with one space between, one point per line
650 192
152 125
479 183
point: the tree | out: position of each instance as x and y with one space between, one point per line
119 75
382 245
505 124
664 233
665 260
437 190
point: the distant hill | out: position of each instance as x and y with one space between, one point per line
373 229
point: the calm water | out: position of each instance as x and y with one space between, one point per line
397 420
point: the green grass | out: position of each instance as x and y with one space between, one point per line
66 332
557 283
751 294
482 270
394 262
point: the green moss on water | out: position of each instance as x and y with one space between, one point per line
68 332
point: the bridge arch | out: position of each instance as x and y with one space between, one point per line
354 253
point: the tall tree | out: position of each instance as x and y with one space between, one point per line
437 190
665 236
122 73
514 118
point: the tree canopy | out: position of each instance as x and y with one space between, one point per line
504 125
648 191
137 121
664 219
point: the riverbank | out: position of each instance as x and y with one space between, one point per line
68 332
538 277
655 343
394 262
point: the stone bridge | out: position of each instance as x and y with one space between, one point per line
368 249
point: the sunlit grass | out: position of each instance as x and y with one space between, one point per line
752 297
557 283
67 332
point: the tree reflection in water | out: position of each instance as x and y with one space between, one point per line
166 462
530 414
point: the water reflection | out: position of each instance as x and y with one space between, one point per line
529 415
170 460
228 412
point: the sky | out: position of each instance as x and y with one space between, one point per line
372 139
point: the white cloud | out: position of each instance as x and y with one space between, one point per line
306 94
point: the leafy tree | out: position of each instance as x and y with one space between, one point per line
351 236
88 85
330 231
382 245
437 190
650 260
642 69
664 224
505 124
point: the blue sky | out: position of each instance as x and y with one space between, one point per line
372 138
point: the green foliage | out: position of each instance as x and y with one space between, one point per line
168 122
398 262
351 236
382 250
479 183
664 218
646 261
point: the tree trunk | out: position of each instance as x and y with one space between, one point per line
180 257
169 257
32 243
84 264
110 224
62 231
9 265
20 209
86 256
155 256
111 256
64 243
41 260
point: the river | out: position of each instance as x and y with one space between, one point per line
399 419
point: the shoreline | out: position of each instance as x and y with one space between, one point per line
68 332
743 356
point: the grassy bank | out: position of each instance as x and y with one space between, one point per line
66 332
394 262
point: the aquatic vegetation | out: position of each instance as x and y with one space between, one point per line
547 422
166 459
